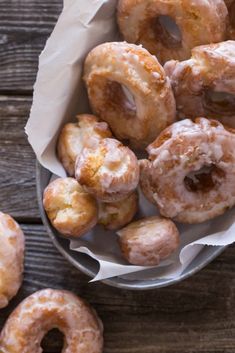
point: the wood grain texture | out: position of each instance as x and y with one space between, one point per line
17 161
24 28
195 316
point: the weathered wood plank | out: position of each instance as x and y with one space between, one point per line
17 161
24 29
195 316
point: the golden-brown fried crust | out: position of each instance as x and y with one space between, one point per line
11 258
148 241
115 71
190 171
110 173
204 85
70 209
75 136
200 22
115 215
48 309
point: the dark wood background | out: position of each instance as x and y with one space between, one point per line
196 316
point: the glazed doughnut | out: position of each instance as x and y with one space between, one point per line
114 215
148 241
190 174
170 29
128 89
231 23
75 136
46 310
70 209
11 258
204 85
110 173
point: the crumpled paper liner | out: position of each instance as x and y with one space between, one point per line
59 94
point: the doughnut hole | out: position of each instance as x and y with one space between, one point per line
55 336
205 179
110 172
71 210
148 241
120 99
167 31
219 102
114 215
86 132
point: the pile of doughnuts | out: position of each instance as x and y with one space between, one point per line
181 113
168 89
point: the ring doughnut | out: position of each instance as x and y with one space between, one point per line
70 209
231 11
11 258
110 173
114 215
190 174
170 29
204 85
148 241
86 132
48 309
128 88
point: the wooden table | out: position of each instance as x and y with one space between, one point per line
195 316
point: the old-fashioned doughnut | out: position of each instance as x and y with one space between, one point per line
170 29
86 132
204 85
11 258
148 241
70 209
128 89
48 309
231 21
115 215
190 174
110 173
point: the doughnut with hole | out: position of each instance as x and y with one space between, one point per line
11 258
48 309
190 173
128 88
204 85
170 29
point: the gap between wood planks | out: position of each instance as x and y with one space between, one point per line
19 93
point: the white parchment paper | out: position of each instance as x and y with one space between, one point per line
59 94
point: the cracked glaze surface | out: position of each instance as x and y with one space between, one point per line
48 309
